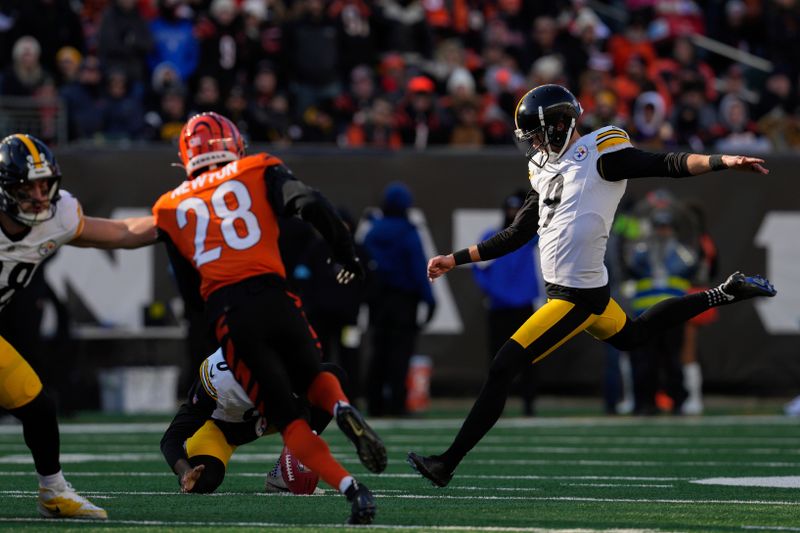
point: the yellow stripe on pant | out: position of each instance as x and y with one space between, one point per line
557 321
19 384
209 440
550 326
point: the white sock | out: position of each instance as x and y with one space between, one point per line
345 483
336 406
54 481
693 380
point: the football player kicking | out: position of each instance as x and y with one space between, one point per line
221 230
36 217
217 418
577 182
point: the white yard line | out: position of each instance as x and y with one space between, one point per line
449 497
617 485
384 475
280 525
243 457
429 424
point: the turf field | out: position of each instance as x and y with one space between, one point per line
544 474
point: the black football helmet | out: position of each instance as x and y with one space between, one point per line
545 119
24 159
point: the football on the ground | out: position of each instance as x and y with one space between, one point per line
297 476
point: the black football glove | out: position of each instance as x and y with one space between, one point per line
351 269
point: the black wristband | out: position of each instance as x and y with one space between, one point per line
715 162
462 257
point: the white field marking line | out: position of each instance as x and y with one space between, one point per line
274 447
173 523
454 423
384 475
480 449
448 497
242 457
772 528
660 441
623 485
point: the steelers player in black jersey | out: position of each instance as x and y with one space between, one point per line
576 182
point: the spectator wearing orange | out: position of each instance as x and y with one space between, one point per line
420 120
375 128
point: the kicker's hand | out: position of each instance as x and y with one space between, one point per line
440 265
753 164
190 477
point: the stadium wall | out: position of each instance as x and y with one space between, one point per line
754 219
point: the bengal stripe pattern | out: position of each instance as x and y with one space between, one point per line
241 372
298 303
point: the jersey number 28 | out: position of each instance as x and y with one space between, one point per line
251 233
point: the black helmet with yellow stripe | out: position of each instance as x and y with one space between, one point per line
545 119
26 162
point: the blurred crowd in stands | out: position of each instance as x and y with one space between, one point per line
415 73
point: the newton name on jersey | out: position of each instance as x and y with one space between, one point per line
576 210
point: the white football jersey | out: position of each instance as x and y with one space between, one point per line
19 259
233 404
576 210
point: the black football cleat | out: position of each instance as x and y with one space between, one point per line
431 467
741 287
369 446
363 508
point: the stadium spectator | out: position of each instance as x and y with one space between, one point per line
124 40
548 40
398 269
403 28
693 117
25 76
68 64
122 109
83 100
54 24
605 112
268 116
511 284
356 18
207 97
220 37
165 123
736 131
312 44
420 120
650 130
174 42
374 127
262 34
357 100
661 266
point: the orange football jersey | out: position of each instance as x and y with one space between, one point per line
223 223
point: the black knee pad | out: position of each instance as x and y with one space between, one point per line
212 475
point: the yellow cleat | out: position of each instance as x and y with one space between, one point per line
67 504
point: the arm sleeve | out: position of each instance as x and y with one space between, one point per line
290 196
190 417
631 163
521 231
186 276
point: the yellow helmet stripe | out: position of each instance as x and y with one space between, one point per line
37 159
516 109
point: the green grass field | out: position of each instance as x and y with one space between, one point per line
543 474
